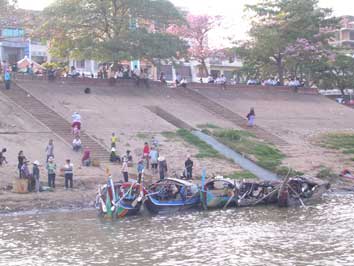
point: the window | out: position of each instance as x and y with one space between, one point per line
351 36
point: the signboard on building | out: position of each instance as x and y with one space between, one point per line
12 32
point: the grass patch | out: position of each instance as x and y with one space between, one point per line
232 134
205 150
339 141
263 154
207 125
169 134
241 175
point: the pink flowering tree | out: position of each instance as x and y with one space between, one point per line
307 59
196 33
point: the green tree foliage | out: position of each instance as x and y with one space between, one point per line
112 29
6 11
278 24
338 73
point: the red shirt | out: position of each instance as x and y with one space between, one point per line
146 149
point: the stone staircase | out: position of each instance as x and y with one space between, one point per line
225 113
55 122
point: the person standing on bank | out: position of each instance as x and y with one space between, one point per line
162 167
140 169
51 168
250 117
68 173
35 175
7 79
125 169
146 153
50 149
188 164
21 160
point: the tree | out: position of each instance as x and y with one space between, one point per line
112 29
338 73
307 59
278 24
196 32
7 9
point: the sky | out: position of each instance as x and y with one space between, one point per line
235 23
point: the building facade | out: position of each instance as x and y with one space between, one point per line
344 37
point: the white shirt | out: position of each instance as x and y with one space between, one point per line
77 142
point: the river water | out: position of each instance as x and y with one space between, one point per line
320 234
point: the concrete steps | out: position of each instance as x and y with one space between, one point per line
55 122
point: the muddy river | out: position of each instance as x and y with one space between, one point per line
321 234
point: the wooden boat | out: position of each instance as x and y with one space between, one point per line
291 191
117 200
219 192
251 193
300 190
171 195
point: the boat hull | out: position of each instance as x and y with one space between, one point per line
125 205
155 206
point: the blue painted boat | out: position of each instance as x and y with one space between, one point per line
219 192
171 195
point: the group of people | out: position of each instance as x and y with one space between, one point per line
150 159
33 176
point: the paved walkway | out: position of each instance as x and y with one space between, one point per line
237 158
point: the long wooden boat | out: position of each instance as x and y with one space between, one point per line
291 191
117 199
171 195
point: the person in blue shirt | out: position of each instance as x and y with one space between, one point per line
140 169
7 78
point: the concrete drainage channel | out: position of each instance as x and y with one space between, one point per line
243 162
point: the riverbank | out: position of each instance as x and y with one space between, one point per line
295 118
